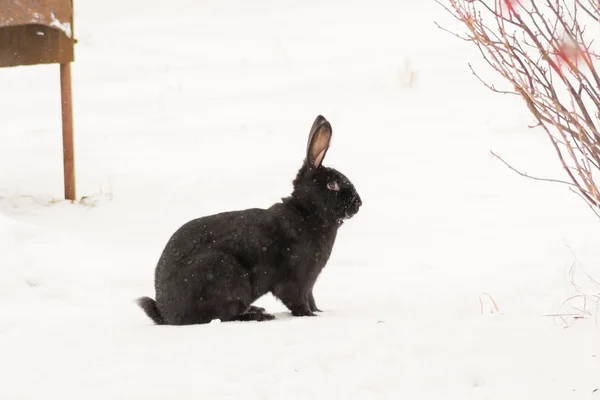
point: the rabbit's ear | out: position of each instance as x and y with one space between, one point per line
318 142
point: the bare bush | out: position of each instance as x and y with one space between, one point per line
545 56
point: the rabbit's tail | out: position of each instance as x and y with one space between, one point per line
149 306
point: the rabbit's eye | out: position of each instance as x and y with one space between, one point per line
333 185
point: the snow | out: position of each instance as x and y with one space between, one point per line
190 108
63 26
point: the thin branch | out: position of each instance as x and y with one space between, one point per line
588 204
487 85
524 174
452 33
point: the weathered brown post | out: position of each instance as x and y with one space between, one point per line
41 32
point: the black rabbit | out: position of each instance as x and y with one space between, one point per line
215 267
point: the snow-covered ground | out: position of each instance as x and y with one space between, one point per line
187 108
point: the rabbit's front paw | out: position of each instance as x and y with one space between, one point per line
297 301
312 305
303 312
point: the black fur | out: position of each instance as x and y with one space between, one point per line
216 266
151 310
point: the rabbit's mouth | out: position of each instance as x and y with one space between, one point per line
347 215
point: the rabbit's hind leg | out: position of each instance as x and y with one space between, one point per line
255 309
223 291
255 316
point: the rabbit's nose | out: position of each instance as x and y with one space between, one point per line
357 204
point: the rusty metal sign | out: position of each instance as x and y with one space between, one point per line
36 32
56 14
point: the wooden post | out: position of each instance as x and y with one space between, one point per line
41 32
67 130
